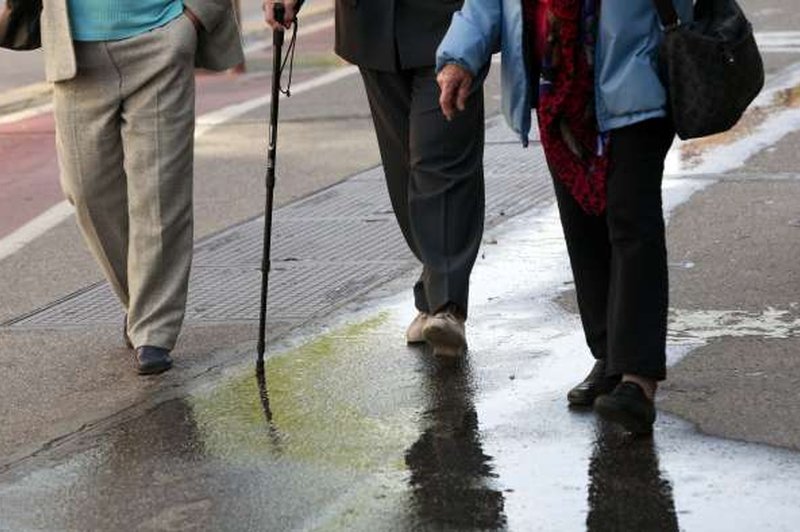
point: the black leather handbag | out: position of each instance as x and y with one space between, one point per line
711 67
19 25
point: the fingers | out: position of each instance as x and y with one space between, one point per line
455 83
447 95
268 6
463 93
269 13
288 18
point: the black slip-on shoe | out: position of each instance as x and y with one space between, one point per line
595 384
152 360
125 335
628 406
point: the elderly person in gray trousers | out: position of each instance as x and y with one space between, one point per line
433 166
123 75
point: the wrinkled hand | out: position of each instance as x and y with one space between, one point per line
455 82
269 13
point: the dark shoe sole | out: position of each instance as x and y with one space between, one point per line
579 399
154 369
611 412
586 398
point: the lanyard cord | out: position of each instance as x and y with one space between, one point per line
289 57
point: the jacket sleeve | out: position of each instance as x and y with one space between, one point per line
210 12
474 35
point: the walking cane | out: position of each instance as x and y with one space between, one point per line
277 68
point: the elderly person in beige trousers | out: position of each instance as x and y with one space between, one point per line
123 75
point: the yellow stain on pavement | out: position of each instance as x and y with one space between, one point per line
319 395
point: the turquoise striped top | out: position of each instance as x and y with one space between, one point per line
113 20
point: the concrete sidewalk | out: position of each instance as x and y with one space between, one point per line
735 248
352 430
355 431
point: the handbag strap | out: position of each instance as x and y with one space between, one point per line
666 12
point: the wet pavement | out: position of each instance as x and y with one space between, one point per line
349 429
352 430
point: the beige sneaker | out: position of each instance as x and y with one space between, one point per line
414 331
446 334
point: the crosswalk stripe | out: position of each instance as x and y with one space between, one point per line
778 41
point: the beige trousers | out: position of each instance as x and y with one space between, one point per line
125 138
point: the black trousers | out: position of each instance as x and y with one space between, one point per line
619 259
434 172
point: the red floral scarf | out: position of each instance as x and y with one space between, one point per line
563 36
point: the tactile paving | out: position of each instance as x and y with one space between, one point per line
328 248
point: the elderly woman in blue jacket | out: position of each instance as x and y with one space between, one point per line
590 70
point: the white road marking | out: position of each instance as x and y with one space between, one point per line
226 114
34 229
774 41
256 46
302 31
255 23
721 159
55 215
778 41
25 114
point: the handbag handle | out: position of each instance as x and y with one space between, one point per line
666 12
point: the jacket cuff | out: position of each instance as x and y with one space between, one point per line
442 62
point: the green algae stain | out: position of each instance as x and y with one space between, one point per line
320 397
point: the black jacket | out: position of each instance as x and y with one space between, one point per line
392 34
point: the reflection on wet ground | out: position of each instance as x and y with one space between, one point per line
450 475
263 395
626 485
352 430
